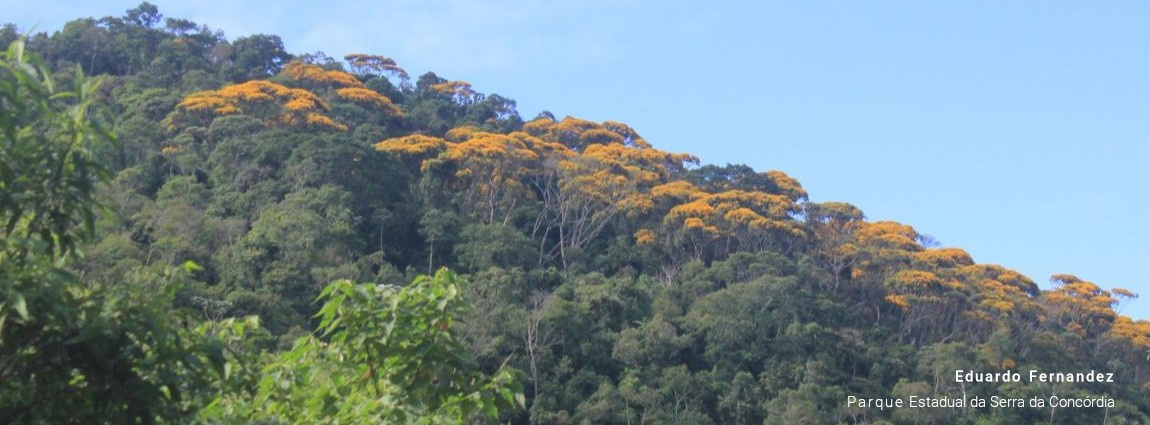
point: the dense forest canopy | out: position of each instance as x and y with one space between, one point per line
183 230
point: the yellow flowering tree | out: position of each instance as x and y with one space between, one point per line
302 99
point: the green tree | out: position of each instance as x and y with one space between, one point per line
387 355
492 245
255 56
69 353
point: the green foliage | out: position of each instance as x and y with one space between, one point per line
47 182
387 355
627 284
255 56
70 353
492 245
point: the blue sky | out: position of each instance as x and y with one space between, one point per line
1018 131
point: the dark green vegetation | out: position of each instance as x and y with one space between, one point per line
601 280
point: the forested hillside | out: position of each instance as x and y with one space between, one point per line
594 278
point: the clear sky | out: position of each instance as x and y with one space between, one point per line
1018 131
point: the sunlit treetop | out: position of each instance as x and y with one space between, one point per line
276 103
645 237
996 296
1076 287
916 279
737 212
944 257
1085 304
679 189
716 179
890 235
314 121
365 64
1123 292
577 134
466 143
914 288
539 126
630 136
368 97
459 91
650 166
347 86
1135 333
312 74
490 145
600 136
786 185
489 169
898 301
280 104
696 224
828 212
541 147
544 148
228 99
461 133
774 206
699 209
1018 283
413 145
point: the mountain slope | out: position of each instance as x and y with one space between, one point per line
629 284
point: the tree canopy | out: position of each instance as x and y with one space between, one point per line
199 229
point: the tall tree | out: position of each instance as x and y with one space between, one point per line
71 353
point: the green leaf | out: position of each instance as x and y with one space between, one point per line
191 266
20 305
